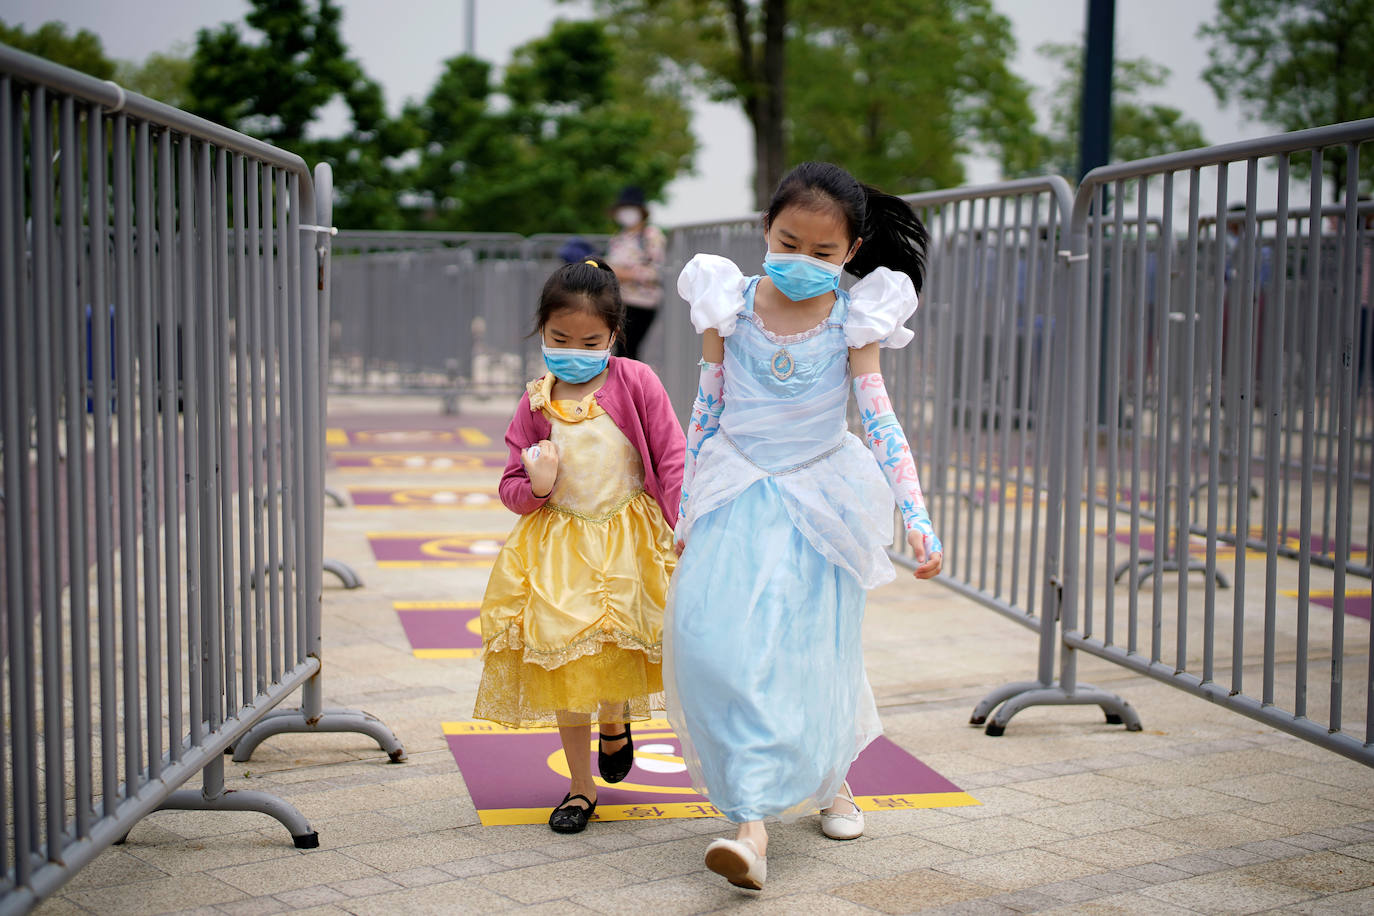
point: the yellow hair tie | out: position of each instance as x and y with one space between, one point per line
591 261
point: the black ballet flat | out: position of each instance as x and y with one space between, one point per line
616 766
568 818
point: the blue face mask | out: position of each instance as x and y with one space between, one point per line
800 276
575 366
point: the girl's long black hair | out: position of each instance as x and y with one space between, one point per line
893 235
588 284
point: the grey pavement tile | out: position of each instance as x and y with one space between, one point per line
1268 787
993 835
1133 903
1227 892
609 841
912 891
1000 800
662 860
886 856
1301 815
1213 831
1196 863
253 906
1119 848
1312 841
676 896
1079 787
319 895
468 868
419 849
1181 801
59 906
1354 903
1089 817
179 856
1237 856
1113 882
567 848
1352 833
161 896
518 858
1025 901
987 906
1071 891
821 904
554 880
1363 851
1020 868
304 870
117 865
1322 873
1154 873
1274 849
431 900
418 877
366 887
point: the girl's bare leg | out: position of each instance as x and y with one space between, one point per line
612 718
755 833
573 730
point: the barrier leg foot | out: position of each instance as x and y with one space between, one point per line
1116 710
335 497
330 720
344 573
212 796
999 696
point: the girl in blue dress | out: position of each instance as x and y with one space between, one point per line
786 515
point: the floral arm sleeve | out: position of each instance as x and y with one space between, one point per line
889 446
704 422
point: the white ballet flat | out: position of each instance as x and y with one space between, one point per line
844 826
738 862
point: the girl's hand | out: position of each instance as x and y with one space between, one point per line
679 547
928 564
542 468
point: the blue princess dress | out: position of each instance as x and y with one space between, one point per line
787 525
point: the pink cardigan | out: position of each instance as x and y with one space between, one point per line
634 399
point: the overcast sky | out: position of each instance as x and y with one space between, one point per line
402 45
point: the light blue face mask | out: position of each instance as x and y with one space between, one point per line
575 366
800 276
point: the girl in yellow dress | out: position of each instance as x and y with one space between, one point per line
572 619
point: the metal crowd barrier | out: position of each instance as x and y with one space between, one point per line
438 312
1228 434
162 294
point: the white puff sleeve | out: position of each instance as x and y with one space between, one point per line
879 306
714 288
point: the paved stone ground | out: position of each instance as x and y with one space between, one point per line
1202 812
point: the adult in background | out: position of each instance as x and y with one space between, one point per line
636 254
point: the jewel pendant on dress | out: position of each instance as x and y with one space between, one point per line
783 365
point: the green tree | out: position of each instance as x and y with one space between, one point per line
81 50
276 88
896 90
857 96
573 128
1139 128
162 76
1297 64
732 50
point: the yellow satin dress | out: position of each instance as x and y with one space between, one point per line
573 612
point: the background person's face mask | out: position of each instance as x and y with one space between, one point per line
575 366
626 216
800 276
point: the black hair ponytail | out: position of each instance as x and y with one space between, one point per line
893 235
588 284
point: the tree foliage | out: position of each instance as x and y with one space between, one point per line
900 92
1139 128
548 148
1296 64
81 50
896 90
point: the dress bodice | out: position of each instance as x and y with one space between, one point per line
785 395
599 469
